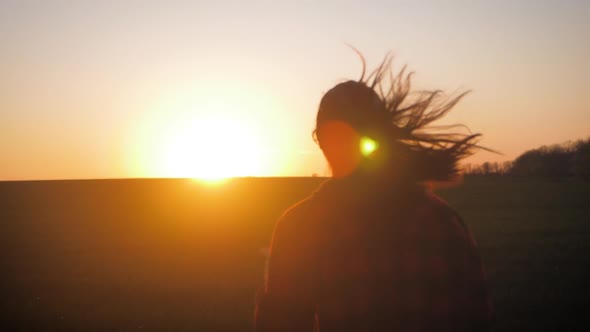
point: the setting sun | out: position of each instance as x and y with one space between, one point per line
211 148
203 133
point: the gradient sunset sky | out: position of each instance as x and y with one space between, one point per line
113 89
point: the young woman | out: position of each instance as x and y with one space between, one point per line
372 249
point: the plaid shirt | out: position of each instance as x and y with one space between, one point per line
368 259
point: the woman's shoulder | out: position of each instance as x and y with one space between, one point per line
306 214
443 216
297 217
298 211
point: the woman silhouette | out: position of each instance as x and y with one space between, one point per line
372 249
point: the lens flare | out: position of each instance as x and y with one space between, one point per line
368 146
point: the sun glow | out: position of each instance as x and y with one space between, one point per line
211 148
209 132
210 140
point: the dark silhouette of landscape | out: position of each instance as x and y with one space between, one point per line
567 160
179 255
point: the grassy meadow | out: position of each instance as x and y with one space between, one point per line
179 255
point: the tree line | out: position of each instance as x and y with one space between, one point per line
571 159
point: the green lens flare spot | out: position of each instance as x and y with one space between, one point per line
368 146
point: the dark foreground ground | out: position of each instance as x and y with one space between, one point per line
176 255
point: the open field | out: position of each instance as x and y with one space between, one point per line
177 255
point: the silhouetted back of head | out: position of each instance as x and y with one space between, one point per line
348 113
354 103
365 127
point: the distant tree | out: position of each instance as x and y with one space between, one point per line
528 163
467 168
495 168
506 167
558 160
581 159
486 168
476 170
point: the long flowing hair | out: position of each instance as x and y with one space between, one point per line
428 152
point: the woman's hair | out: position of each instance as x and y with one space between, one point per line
382 105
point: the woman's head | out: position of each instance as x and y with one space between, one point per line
362 126
349 114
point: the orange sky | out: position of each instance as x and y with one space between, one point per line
109 90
